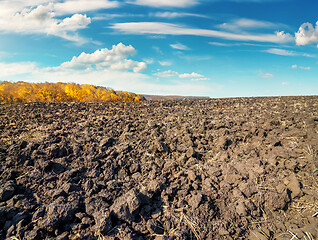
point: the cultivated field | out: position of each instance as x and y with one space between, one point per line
243 168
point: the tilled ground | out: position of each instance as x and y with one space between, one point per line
243 168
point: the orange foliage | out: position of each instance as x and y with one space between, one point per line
61 92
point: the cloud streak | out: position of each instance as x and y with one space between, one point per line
179 46
193 76
165 3
266 75
283 52
176 15
245 23
175 29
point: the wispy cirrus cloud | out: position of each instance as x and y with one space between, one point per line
300 67
265 75
176 15
179 46
168 73
165 3
175 29
245 23
193 76
284 52
165 63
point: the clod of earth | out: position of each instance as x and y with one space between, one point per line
241 168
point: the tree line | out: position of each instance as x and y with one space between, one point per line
62 92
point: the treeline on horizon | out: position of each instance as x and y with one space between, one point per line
62 92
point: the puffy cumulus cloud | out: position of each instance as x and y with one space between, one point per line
307 34
294 66
41 19
128 65
191 75
179 46
165 3
114 59
60 7
284 37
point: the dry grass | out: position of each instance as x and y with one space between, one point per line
181 217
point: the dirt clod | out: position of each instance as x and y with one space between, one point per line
240 168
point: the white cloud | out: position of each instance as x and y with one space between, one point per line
222 44
179 46
284 83
194 76
191 75
300 67
104 58
18 68
201 79
175 29
305 68
245 23
176 15
42 20
168 73
285 37
307 34
165 63
77 6
148 60
128 64
266 75
158 50
165 3
281 52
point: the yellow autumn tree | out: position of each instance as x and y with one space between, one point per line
61 92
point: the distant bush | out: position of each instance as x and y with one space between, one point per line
62 92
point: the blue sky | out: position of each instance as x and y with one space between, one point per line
216 48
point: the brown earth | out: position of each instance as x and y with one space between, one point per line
243 168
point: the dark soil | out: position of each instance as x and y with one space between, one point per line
243 168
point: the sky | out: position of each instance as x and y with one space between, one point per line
215 48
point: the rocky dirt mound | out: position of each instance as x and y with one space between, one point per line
243 168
